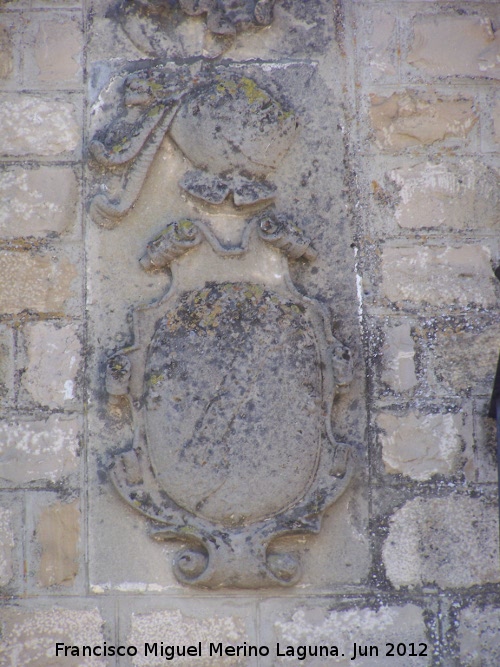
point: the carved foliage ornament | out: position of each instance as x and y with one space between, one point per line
146 21
227 16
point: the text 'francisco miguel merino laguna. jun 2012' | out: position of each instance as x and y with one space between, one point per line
218 649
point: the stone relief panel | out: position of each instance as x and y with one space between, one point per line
216 416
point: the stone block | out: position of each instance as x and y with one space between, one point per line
464 354
39 451
455 46
297 626
439 276
417 119
43 283
37 201
6 365
228 623
54 358
399 358
29 637
6 547
6 52
58 534
378 44
421 445
463 195
38 125
450 542
57 52
478 636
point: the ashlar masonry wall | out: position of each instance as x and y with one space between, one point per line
395 175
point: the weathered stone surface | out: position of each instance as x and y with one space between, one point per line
432 198
482 464
185 630
478 636
496 121
465 359
412 119
439 276
58 533
211 462
37 201
464 195
42 283
399 364
37 451
420 445
54 357
58 52
6 364
6 52
456 45
451 542
313 624
29 637
36 125
6 547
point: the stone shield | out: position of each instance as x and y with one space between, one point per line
233 401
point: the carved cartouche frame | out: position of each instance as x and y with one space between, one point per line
216 462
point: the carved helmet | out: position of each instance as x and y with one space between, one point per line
233 125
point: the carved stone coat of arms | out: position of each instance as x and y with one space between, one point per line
232 373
